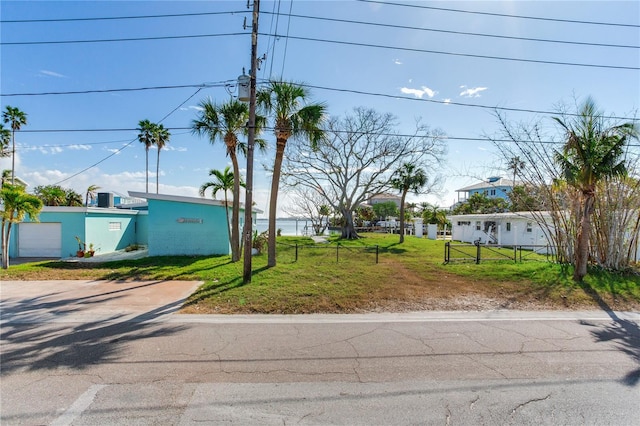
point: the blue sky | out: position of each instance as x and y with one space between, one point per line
409 72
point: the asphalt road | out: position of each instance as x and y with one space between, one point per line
110 353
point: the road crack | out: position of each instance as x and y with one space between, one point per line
519 406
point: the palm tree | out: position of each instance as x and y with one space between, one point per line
91 194
51 195
72 198
5 140
515 164
17 119
6 175
17 204
293 118
224 181
592 152
226 122
407 178
161 138
146 131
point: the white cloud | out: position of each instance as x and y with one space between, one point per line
446 101
471 92
173 148
52 74
397 61
80 147
419 93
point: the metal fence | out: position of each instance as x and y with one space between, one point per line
327 252
478 252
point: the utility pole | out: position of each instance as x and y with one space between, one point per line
248 204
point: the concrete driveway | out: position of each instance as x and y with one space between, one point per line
77 301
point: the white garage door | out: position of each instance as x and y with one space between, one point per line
40 240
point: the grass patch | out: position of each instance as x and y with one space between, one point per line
343 276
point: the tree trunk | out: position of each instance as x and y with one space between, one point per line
235 211
348 228
226 211
404 194
582 249
13 158
273 202
146 162
158 173
5 244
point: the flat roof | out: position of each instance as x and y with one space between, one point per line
183 199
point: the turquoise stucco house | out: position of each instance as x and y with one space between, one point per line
169 225
185 225
54 235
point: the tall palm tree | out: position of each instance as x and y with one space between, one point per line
515 164
227 122
592 152
5 140
407 178
286 104
91 194
161 139
17 204
17 119
224 181
146 131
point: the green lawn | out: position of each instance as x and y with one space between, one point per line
343 276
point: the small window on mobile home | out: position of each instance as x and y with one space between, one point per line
508 226
529 227
478 225
115 226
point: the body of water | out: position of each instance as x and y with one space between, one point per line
291 227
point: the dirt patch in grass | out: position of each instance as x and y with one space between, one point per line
406 288
439 290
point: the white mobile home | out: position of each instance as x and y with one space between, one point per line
509 229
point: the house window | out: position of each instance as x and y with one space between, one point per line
529 227
478 225
115 226
508 226
463 223
493 192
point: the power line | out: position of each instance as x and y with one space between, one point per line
287 37
467 55
132 89
125 146
233 12
112 18
112 40
404 27
311 86
435 101
504 15
400 135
